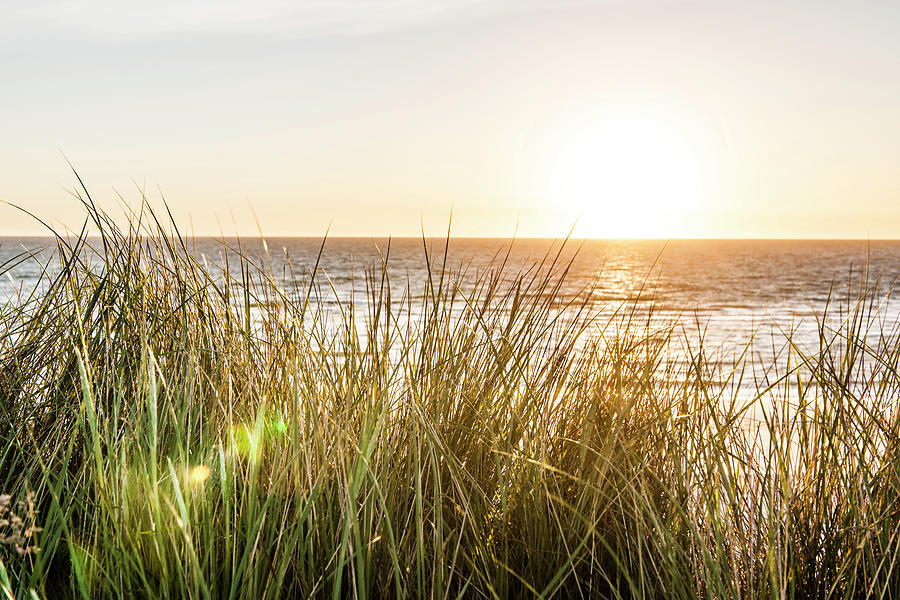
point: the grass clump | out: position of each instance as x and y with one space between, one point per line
181 430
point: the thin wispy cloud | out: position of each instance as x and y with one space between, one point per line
130 18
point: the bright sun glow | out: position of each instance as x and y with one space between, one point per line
625 172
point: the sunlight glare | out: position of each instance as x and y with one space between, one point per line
628 172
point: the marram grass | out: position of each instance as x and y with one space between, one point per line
173 432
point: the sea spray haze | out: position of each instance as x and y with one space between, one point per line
179 428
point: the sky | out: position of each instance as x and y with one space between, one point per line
612 118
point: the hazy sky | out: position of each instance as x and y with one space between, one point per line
626 118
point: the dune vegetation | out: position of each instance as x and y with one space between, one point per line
170 430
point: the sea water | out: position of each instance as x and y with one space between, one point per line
727 291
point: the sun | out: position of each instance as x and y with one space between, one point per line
629 172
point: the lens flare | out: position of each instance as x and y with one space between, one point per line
198 474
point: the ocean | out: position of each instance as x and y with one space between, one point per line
728 291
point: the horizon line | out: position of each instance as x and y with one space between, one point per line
4 236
